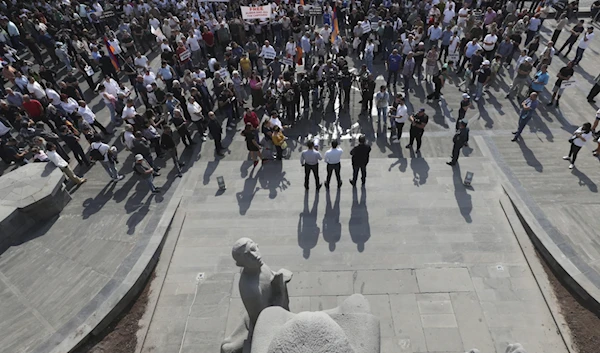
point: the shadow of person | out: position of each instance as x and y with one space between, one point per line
420 169
463 199
358 225
93 205
308 231
530 157
332 228
272 177
210 169
584 180
139 215
245 197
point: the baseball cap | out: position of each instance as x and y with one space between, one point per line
421 110
485 62
466 96
149 87
139 157
528 59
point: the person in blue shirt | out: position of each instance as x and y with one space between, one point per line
393 66
540 80
528 106
446 36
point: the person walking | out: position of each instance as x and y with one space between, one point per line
101 152
578 140
333 159
575 32
215 129
484 76
178 120
460 139
72 142
168 144
408 70
360 159
418 122
400 117
143 169
309 159
141 146
382 101
583 44
527 108
61 164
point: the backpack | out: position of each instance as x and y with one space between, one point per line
96 155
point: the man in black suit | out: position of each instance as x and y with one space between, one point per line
360 159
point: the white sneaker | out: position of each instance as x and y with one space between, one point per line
567 158
571 166
203 138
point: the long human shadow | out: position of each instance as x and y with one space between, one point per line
463 199
272 177
332 228
244 198
584 180
530 157
358 225
401 162
308 231
420 169
93 205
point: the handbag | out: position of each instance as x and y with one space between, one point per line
284 145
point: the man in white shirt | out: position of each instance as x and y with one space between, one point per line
110 86
489 43
463 15
149 77
129 112
400 117
195 111
128 136
267 52
194 45
107 162
53 96
89 116
140 61
583 44
333 159
59 162
449 14
35 89
326 33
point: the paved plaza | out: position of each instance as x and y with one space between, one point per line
438 262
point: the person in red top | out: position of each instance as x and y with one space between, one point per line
250 117
185 63
209 40
33 107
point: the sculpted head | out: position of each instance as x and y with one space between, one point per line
245 253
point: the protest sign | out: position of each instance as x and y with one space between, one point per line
366 27
269 53
256 12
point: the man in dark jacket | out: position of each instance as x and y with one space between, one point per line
169 145
360 159
142 146
214 127
461 137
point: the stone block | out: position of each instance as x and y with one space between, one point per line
444 280
385 282
405 314
443 339
321 283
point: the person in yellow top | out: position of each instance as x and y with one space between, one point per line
246 66
278 139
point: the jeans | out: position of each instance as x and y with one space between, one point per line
393 74
113 112
523 120
578 55
363 173
369 62
110 168
382 113
315 170
479 90
149 180
333 168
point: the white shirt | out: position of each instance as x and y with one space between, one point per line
164 46
276 122
53 96
462 16
449 15
142 61
70 105
489 42
154 23
290 48
102 147
200 74
195 111
265 50
56 159
333 156
115 44
87 114
192 42
401 114
128 114
149 78
111 87
453 44
325 33
36 89
128 137
4 129
585 40
579 142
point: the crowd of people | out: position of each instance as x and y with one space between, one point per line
216 66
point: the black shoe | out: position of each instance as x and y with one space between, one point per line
326 186
450 163
319 187
340 185
514 139
408 146
306 187
352 182
557 104
156 174
507 96
181 164
550 104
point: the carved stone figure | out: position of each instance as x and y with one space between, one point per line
259 287
348 328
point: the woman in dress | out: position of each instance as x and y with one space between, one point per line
238 87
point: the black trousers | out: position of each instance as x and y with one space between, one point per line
218 145
399 127
100 126
393 74
570 42
79 153
363 172
573 152
184 134
416 134
594 92
555 35
456 152
333 168
314 168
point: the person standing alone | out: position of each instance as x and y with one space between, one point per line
332 158
527 108
360 159
417 128
310 160
460 139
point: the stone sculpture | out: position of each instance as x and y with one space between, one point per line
515 348
259 287
349 328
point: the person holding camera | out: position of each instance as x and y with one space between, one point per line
101 152
578 140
